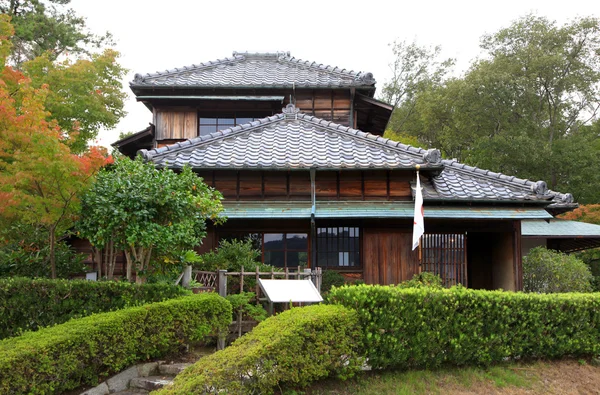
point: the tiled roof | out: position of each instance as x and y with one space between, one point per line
460 181
292 140
246 70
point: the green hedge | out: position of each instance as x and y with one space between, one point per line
291 349
423 327
86 350
27 304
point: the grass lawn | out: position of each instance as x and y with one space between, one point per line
557 377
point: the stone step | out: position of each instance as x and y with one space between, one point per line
173 369
150 383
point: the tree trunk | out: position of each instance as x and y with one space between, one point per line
97 254
129 264
52 252
112 260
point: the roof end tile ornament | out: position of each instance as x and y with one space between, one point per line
138 78
433 156
539 188
367 78
566 198
290 111
145 154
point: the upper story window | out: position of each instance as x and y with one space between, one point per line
210 123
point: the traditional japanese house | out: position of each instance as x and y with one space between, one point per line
296 148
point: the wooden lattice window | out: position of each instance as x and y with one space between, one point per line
445 254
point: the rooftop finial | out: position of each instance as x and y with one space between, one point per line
290 111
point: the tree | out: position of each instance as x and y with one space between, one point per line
547 271
39 176
144 210
414 68
48 27
525 109
84 96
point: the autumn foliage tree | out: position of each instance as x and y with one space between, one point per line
40 178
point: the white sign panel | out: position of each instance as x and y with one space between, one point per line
285 291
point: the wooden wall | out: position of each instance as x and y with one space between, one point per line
175 124
295 185
329 105
387 256
175 121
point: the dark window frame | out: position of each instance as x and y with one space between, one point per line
354 241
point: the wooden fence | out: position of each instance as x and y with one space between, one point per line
228 283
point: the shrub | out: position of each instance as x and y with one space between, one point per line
424 279
331 278
86 350
550 271
291 349
426 327
25 251
27 304
232 256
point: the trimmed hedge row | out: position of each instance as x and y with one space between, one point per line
291 349
27 304
86 350
425 327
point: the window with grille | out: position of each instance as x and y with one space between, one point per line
338 247
445 254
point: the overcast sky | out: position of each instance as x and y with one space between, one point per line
157 34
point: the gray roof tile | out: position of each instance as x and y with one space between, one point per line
256 70
293 140
289 141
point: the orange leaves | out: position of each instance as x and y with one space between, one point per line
585 213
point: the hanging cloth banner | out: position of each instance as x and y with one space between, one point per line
419 218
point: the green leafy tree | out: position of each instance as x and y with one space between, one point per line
547 271
413 69
48 26
84 95
527 108
143 210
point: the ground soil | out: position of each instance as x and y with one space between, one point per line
560 377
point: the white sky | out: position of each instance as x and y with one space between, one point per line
157 34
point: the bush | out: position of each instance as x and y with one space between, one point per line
25 252
550 271
331 278
87 350
291 349
426 327
424 279
27 304
232 256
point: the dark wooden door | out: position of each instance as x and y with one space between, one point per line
387 256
